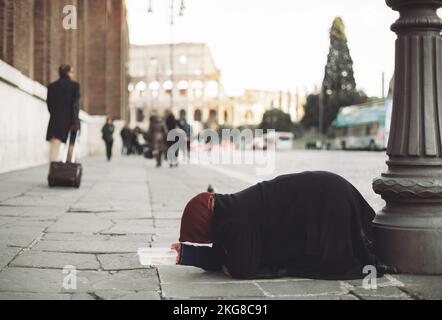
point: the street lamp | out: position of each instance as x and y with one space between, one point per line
408 230
182 8
172 23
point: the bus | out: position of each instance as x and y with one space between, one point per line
363 127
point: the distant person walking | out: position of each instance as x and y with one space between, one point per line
126 136
136 140
185 126
156 137
171 124
108 136
63 101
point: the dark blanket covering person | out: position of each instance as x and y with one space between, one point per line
310 224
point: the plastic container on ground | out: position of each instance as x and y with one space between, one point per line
157 256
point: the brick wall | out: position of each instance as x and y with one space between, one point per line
95 60
39 40
8 33
23 39
113 58
2 27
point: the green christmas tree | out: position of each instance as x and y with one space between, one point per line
339 76
339 85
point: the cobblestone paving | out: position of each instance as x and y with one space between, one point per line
128 204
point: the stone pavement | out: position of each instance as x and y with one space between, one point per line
125 205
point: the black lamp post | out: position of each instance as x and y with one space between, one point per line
408 231
172 47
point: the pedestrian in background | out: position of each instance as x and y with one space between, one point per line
63 101
108 136
156 137
171 124
126 137
136 146
185 126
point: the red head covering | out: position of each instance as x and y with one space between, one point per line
196 223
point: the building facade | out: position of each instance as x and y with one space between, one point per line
176 77
249 108
34 41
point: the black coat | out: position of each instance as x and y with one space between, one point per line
157 135
311 224
63 103
171 122
126 134
108 132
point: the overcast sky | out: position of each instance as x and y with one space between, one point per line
275 44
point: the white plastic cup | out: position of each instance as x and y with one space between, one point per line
157 256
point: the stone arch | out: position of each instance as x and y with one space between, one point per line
198 115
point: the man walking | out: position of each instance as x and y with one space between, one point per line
63 103
156 137
108 136
171 125
185 126
126 137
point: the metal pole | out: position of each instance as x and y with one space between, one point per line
383 85
321 114
172 78
408 230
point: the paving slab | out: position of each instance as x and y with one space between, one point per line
191 275
113 245
128 295
51 281
30 211
7 254
31 280
130 280
84 223
422 287
210 290
302 288
130 226
386 293
128 261
75 237
19 236
129 213
34 296
129 204
83 296
56 260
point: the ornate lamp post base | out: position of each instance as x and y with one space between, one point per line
408 231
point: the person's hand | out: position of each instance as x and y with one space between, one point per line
177 248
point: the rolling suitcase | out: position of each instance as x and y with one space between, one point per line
66 174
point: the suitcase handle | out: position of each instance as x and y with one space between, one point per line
68 142
76 143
